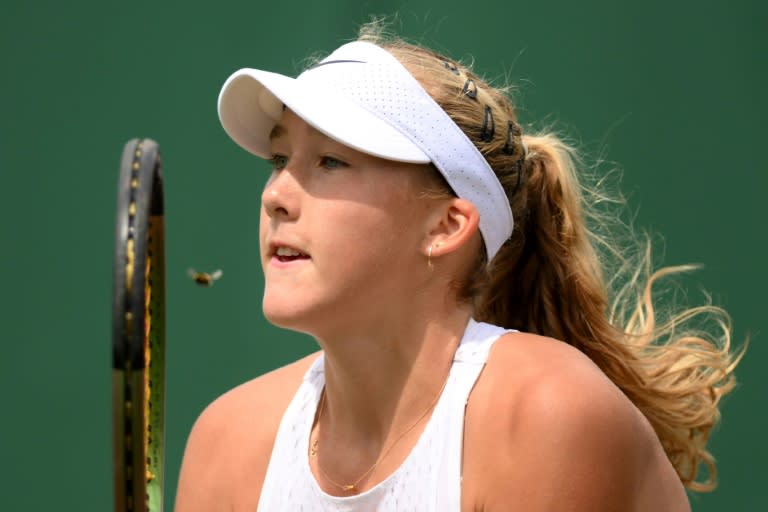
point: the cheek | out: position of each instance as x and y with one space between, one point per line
263 222
369 236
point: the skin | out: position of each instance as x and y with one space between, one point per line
544 428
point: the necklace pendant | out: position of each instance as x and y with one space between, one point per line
313 450
348 487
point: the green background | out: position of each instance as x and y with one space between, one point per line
673 92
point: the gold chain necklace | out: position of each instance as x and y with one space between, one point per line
353 485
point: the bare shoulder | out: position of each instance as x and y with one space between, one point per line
229 446
549 431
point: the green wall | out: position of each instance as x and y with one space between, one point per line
673 92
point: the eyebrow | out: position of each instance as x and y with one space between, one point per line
277 131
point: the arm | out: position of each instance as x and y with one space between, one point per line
200 486
570 440
228 450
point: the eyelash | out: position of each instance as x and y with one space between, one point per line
278 158
338 163
280 161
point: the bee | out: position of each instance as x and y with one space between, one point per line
204 278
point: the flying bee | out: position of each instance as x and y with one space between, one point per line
204 278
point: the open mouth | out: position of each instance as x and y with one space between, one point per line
288 254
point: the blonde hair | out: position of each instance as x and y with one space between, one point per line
549 277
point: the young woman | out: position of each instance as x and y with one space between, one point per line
474 354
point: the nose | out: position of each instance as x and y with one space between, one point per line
281 196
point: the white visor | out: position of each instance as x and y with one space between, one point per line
362 97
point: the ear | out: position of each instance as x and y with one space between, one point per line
453 226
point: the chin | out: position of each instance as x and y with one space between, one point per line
288 314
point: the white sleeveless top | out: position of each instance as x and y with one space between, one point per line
429 480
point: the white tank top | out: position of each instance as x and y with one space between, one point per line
429 480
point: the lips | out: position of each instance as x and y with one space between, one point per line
285 253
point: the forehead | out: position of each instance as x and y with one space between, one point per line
301 134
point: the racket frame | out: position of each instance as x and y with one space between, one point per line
138 336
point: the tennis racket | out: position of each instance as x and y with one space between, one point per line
138 332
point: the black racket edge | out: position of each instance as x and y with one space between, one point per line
135 205
138 240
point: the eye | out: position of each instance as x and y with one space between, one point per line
332 163
278 162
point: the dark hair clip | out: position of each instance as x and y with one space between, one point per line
470 89
450 66
509 145
489 126
514 132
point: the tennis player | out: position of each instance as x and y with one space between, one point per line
478 349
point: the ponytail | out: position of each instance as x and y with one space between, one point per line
548 279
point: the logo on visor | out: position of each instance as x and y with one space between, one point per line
325 63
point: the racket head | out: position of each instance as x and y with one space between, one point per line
138 331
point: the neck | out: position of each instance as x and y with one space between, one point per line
381 378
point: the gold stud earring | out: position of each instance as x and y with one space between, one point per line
429 255
429 258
